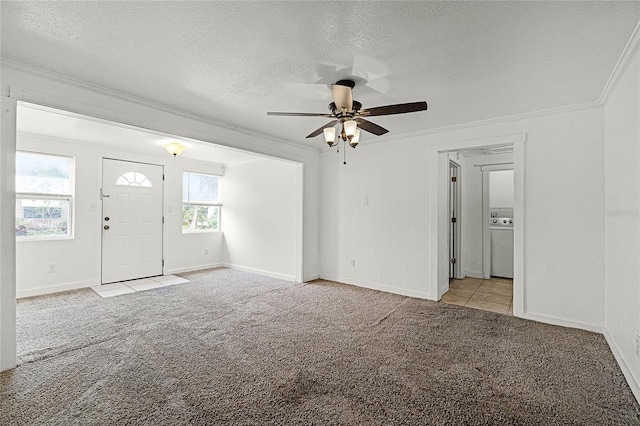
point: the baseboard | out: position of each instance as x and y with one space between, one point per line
626 371
474 274
386 289
192 268
260 272
561 322
39 291
311 278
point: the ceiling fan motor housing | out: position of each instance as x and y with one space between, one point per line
334 110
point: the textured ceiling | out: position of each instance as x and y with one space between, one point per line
234 61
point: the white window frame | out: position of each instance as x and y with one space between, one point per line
45 196
218 205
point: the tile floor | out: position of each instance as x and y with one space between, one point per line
124 287
495 295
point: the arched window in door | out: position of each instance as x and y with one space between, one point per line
134 179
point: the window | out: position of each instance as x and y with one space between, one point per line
44 200
133 179
200 202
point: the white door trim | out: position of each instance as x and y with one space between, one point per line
8 343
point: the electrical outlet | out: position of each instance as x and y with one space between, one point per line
366 201
353 263
206 252
52 267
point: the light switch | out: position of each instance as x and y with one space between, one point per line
92 207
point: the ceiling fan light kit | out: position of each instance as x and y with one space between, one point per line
353 140
350 127
330 135
349 114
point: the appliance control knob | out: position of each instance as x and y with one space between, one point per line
504 220
510 220
495 220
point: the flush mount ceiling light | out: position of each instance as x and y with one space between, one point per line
348 114
174 148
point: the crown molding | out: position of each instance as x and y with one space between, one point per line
51 75
628 54
487 122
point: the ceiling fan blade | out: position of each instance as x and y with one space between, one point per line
394 109
299 114
342 97
371 127
318 131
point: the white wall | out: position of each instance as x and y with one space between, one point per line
78 259
501 189
259 217
388 238
472 222
622 221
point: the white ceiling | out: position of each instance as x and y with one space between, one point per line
50 122
234 61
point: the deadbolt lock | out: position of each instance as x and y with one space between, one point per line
106 218
106 227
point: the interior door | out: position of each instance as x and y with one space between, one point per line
453 217
131 220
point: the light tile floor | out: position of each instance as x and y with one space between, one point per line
495 295
124 287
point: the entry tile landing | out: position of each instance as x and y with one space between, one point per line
170 280
143 284
115 291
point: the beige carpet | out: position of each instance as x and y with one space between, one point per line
236 348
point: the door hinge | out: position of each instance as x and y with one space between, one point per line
163 263
453 260
453 220
163 176
454 179
162 219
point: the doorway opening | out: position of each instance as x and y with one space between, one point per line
483 258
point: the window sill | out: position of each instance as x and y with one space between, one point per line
202 231
39 239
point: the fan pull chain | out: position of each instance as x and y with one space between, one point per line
344 153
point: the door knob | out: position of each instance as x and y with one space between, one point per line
106 218
106 227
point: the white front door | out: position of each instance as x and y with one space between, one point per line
131 220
